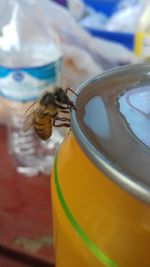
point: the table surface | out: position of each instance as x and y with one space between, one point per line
25 215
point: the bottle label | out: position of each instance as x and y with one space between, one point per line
142 45
27 84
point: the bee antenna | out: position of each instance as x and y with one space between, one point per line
69 89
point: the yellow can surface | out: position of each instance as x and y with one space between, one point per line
115 224
96 222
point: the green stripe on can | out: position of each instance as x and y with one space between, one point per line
96 251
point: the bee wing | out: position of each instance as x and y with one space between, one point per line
28 121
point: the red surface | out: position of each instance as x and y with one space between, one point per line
25 215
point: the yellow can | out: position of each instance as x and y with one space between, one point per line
101 175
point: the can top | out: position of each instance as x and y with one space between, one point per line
112 126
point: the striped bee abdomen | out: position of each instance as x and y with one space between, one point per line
43 125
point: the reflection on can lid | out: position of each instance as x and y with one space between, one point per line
112 126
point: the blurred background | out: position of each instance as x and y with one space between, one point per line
44 44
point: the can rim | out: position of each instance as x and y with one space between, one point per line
124 180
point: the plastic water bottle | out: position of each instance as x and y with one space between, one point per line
30 60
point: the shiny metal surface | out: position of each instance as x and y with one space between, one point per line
133 181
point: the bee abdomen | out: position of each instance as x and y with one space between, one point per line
43 127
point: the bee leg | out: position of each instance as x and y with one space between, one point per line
62 107
64 119
69 108
64 111
61 124
61 119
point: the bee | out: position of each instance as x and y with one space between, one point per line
48 111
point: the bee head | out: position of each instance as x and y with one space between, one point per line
47 99
60 96
57 98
